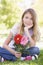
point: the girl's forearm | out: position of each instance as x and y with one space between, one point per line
9 49
30 38
32 42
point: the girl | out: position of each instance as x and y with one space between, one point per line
27 27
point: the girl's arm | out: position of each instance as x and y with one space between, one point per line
7 41
5 45
32 42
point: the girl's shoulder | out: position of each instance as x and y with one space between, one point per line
17 24
15 28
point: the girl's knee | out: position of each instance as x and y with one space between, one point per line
34 50
37 51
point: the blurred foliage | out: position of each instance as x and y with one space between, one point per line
9 12
41 24
38 6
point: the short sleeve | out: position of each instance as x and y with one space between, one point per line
15 29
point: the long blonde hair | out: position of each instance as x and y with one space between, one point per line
35 28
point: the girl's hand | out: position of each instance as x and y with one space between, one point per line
28 27
17 54
26 30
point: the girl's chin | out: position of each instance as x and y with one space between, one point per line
27 25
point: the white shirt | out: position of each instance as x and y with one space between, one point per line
14 31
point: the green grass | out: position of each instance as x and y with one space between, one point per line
18 62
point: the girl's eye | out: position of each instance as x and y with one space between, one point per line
26 17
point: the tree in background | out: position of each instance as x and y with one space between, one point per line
9 12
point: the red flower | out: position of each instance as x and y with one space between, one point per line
17 38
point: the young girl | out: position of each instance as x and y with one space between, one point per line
27 27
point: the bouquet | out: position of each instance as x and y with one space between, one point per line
20 42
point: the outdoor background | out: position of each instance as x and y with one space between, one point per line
10 13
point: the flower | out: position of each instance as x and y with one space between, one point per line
17 38
20 42
24 40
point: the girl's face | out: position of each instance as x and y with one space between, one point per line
27 19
